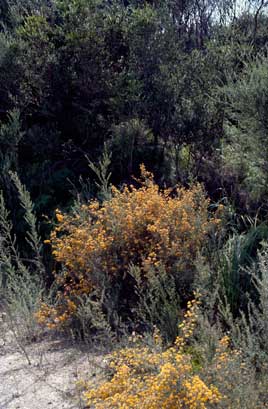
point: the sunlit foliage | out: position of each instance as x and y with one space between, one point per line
144 226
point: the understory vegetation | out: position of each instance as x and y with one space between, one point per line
133 193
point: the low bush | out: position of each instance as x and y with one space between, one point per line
158 304
144 226
249 329
144 377
180 376
21 279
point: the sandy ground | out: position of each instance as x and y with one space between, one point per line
50 380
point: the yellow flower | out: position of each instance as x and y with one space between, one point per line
140 225
152 379
59 217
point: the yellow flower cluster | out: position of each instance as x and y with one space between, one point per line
189 323
152 378
52 317
144 226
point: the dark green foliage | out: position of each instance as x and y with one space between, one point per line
235 258
10 137
245 151
81 72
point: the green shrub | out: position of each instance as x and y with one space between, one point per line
157 232
21 281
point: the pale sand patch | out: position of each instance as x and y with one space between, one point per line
50 380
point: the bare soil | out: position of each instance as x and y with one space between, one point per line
49 381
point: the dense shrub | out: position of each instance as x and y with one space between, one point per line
142 226
152 378
181 376
245 148
248 326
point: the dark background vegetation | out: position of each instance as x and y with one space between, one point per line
179 85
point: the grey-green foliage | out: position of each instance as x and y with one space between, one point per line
249 331
18 10
97 320
231 262
7 245
21 281
85 192
232 258
246 147
158 301
101 170
32 237
237 378
91 322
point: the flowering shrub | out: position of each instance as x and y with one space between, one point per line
156 377
152 378
143 226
